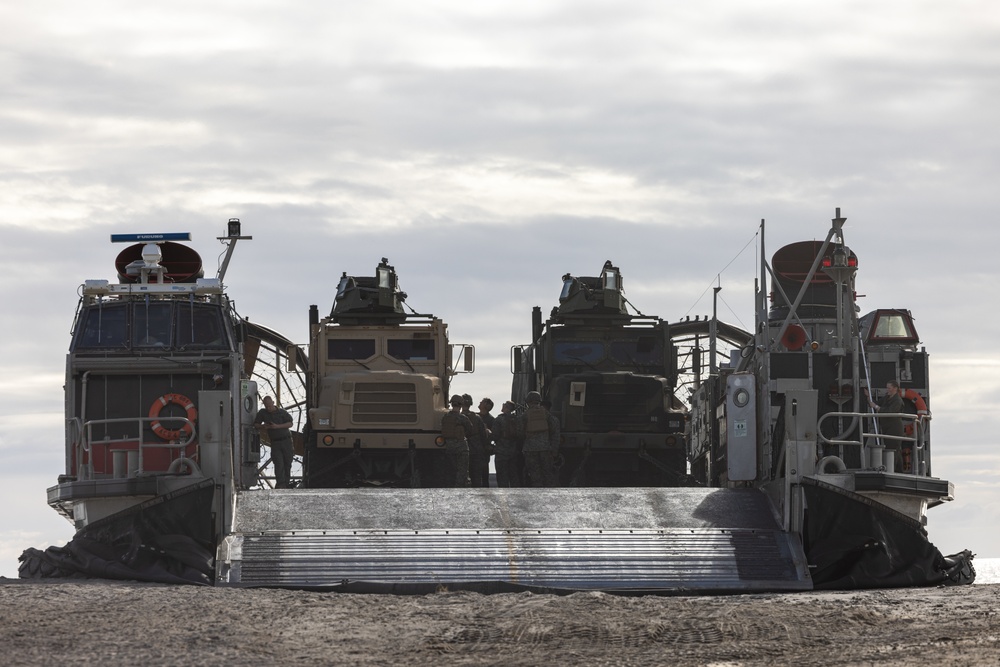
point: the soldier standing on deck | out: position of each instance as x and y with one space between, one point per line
507 447
890 404
277 423
456 429
489 420
479 460
541 442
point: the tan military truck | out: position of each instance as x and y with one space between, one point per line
378 386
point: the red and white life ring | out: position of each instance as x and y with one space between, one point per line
918 403
164 401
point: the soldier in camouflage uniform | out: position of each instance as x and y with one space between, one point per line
485 405
508 447
456 429
541 442
479 459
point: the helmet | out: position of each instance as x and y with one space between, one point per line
456 400
467 400
533 397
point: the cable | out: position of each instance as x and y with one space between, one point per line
718 276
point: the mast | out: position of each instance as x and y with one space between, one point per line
232 236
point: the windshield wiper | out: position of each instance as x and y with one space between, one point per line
582 361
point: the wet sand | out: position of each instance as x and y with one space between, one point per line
119 623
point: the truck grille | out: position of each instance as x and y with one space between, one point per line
385 403
618 408
631 406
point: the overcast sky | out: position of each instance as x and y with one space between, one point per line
487 148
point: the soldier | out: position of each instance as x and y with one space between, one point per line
456 428
277 423
479 459
505 436
541 442
485 406
890 403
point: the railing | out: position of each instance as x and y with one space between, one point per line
84 443
918 459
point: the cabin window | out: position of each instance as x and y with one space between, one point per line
198 326
103 326
350 348
578 351
151 325
411 350
893 326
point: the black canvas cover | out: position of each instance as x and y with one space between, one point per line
852 541
167 539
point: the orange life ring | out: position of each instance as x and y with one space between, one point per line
164 401
918 403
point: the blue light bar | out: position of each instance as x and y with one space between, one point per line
150 238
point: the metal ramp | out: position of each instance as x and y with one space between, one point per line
491 540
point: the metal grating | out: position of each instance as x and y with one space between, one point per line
668 559
385 403
416 540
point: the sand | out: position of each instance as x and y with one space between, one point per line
119 623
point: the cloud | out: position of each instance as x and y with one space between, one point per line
489 148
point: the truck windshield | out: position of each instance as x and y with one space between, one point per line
585 351
644 351
411 350
350 348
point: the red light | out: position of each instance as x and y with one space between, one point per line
852 261
827 262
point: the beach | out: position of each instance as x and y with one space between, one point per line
87 622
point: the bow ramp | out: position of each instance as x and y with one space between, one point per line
489 540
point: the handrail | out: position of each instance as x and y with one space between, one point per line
87 429
918 439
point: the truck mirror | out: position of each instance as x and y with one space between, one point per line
469 354
516 358
291 357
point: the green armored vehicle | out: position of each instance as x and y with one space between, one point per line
610 378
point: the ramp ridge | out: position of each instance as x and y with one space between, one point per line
666 559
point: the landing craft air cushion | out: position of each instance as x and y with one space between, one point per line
781 453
